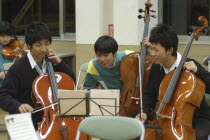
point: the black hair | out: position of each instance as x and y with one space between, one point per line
106 44
165 36
6 29
37 31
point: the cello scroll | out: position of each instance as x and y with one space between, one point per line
204 24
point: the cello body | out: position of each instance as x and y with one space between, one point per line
134 71
54 127
129 76
176 118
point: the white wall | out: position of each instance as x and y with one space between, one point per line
126 21
93 17
107 14
88 20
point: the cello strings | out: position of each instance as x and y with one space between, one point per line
53 81
140 83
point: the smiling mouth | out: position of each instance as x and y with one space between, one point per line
103 64
42 54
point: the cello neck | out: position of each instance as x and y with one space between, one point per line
53 82
144 48
143 54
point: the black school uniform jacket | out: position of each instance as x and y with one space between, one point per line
16 88
156 75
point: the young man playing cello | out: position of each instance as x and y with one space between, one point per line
16 90
163 42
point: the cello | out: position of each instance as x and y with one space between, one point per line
177 107
134 71
53 126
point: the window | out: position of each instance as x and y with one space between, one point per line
183 15
22 12
69 26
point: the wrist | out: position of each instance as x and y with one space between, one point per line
58 61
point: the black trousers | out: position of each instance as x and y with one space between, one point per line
202 127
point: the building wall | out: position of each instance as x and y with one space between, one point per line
93 17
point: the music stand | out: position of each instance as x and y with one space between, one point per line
80 103
104 102
73 103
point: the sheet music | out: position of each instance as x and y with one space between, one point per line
20 127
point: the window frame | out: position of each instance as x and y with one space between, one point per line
62 35
183 39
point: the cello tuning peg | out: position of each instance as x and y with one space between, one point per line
154 16
140 16
141 10
153 11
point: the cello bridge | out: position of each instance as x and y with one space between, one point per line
137 100
134 98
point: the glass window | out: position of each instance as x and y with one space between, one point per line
69 16
22 12
183 15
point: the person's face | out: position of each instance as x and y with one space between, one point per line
105 60
39 49
5 39
159 54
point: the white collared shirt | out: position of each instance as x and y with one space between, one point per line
176 63
34 64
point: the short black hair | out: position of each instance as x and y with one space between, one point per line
106 44
165 36
6 28
37 31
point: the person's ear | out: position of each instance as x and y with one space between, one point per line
170 51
